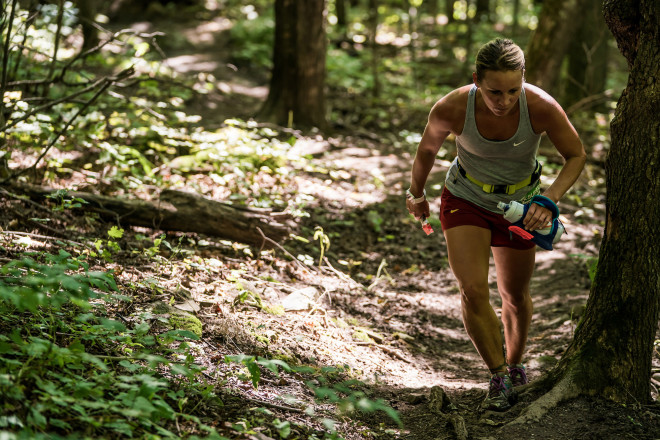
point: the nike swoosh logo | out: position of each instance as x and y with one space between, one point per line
515 144
453 211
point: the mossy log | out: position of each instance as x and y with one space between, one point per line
182 211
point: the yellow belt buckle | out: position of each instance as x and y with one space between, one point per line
488 188
510 189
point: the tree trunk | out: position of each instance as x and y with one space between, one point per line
587 57
483 11
87 17
432 9
611 353
627 283
297 95
449 10
372 26
182 211
340 10
466 70
515 25
558 22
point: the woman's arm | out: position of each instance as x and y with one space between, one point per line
436 131
548 116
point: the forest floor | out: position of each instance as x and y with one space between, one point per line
390 316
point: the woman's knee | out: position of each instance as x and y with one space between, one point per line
474 295
517 299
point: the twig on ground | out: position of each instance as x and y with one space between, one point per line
314 309
45 237
273 405
266 239
47 228
387 350
394 353
342 275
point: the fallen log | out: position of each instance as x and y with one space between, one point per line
182 211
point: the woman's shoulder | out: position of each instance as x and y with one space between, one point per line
538 99
451 108
457 96
542 107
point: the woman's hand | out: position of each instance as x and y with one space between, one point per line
538 217
418 210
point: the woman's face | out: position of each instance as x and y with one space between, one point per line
500 90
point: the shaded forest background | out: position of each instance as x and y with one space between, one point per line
179 263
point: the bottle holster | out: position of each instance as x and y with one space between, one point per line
544 240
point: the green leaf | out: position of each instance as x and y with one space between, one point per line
130 366
239 358
112 325
182 370
368 405
142 328
120 427
37 418
303 369
325 393
116 232
273 364
255 373
144 406
283 428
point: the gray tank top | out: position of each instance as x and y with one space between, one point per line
494 162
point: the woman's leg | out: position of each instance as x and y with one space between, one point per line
514 272
469 253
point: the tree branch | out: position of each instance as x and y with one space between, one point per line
58 33
106 82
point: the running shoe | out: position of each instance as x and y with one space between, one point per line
518 375
501 395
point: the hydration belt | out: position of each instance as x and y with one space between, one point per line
503 189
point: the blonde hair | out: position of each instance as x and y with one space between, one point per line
499 55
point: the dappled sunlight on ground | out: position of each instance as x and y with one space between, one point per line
206 33
190 63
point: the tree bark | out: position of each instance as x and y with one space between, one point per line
182 211
611 353
297 95
558 22
622 315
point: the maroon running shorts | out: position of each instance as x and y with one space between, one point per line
455 211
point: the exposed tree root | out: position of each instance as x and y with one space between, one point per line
563 390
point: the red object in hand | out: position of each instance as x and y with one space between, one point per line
426 226
521 232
